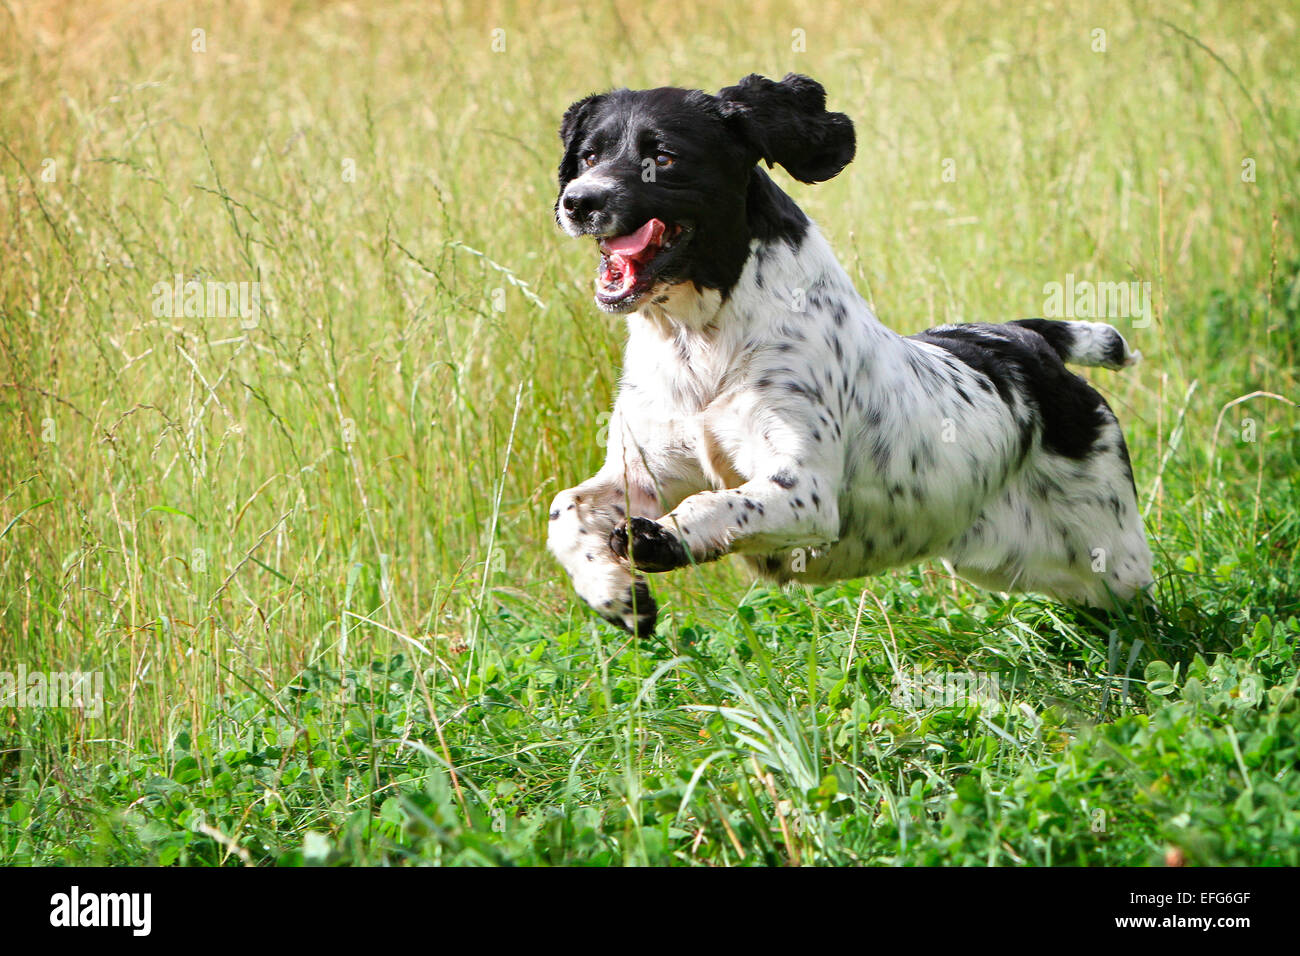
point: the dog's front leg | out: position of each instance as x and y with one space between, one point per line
762 516
581 519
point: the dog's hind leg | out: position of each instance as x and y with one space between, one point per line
1069 529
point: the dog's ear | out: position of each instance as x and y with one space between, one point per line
570 128
576 114
787 123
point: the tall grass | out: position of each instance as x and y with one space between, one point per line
245 522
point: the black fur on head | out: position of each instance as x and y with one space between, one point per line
676 171
574 117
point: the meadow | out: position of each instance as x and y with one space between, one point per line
293 522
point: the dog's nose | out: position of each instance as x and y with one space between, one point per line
583 199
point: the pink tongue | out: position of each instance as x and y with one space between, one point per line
634 242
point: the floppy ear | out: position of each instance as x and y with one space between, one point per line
787 123
570 126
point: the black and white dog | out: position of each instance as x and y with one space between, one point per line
765 411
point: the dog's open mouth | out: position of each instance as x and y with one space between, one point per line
630 264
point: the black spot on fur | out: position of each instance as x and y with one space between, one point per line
1020 360
1122 448
1058 335
785 479
1115 349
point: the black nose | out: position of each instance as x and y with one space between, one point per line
583 199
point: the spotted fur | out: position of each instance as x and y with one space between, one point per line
764 411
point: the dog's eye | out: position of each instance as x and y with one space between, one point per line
590 158
663 160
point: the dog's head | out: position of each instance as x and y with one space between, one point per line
662 178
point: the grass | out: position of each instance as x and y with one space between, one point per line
305 553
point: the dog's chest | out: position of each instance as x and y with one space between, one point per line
719 448
686 387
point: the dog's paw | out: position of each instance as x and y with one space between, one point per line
637 613
653 547
612 592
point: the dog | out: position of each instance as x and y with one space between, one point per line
763 409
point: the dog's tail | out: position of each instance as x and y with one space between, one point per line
1084 343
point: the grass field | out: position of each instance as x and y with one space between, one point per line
302 544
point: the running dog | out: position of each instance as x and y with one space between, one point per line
764 410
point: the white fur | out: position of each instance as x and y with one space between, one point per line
889 464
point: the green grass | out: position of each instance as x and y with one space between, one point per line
307 556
